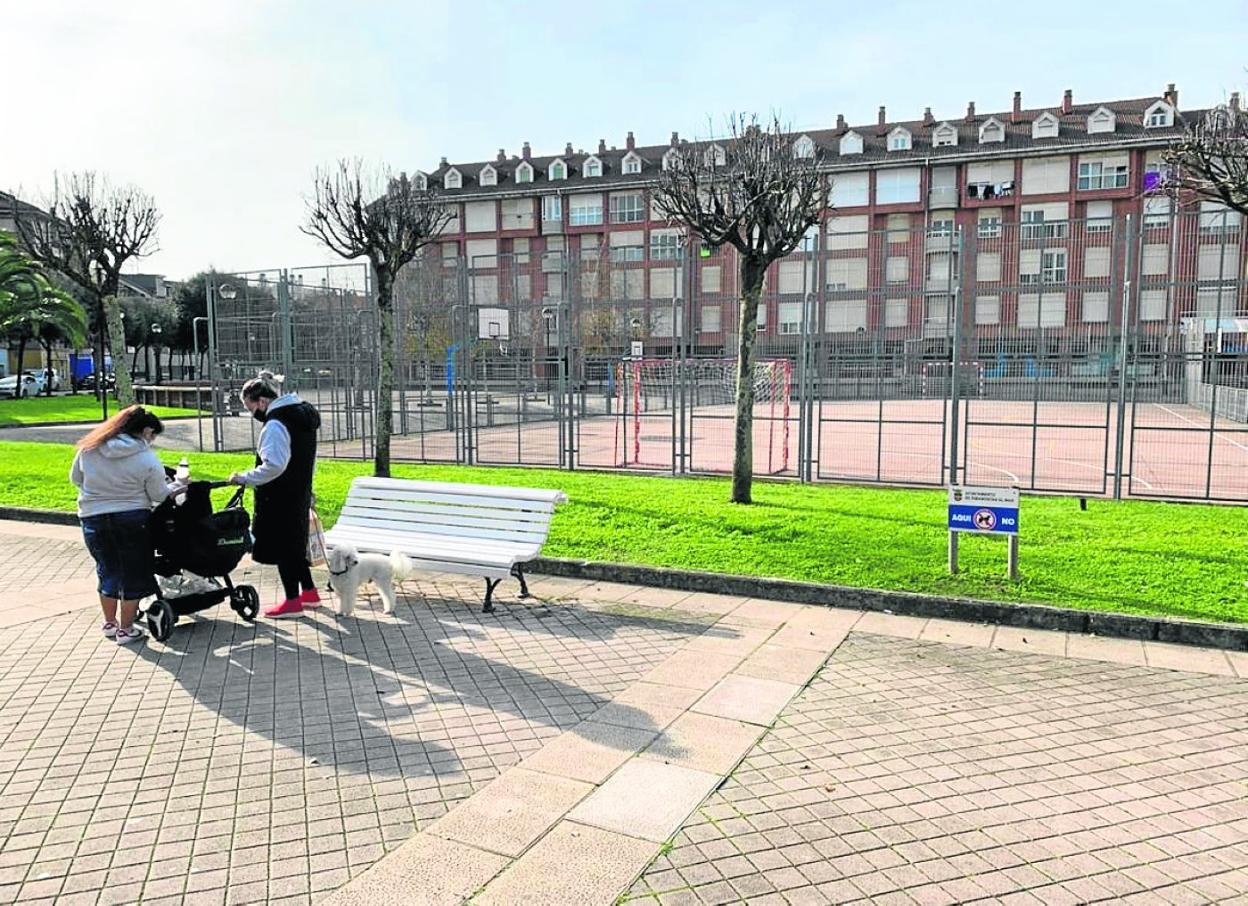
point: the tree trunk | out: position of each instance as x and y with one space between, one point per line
385 380
101 392
47 367
156 350
752 274
117 345
21 355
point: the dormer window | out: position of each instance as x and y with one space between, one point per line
453 179
557 170
591 168
1102 119
1045 126
991 131
804 147
524 172
851 143
1159 116
944 136
631 164
671 158
488 176
899 139
421 181
714 156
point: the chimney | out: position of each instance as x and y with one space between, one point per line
970 111
602 146
675 139
444 161
1017 113
928 119
525 152
840 121
567 149
502 156
1172 96
1068 101
882 116
630 143
1234 105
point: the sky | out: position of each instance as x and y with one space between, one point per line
223 111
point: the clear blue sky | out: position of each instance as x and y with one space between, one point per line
229 106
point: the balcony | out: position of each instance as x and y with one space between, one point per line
988 191
943 196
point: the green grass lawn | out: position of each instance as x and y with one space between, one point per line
80 408
1132 557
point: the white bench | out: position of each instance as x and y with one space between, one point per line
469 529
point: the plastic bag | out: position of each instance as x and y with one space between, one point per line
316 539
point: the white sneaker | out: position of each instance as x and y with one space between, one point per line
126 635
109 629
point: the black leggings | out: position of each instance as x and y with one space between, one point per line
293 574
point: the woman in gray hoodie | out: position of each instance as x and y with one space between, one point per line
119 481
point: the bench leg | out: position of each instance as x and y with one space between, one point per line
490 585
524 586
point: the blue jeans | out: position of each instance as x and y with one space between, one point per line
122 550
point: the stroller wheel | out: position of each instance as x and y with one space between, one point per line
160 620
246 602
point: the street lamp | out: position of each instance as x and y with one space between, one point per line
227 292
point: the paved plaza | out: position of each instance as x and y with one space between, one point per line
600 744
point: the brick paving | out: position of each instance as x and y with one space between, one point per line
272 763
918 772
27 562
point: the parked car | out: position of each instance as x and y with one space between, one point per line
29 383
87 384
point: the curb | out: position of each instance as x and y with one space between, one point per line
1024 616
163 418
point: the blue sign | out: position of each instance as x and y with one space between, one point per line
983 510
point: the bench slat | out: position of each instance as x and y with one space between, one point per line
499 495
430 547
475 515
432 526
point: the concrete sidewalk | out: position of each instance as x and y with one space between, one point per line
610 741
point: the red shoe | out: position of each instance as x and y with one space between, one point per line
310 598
288 608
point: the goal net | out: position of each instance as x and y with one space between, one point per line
648 387
937 379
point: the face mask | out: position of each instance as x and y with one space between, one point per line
260 416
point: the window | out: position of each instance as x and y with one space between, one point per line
897 269
663 283
628 283
761 320
1217 262
623 253
851 143
845 316
1096 262
1045 126
710 315
1157 211
804 147
940 225
552 208
896 312
584 210
557 170
944 135
898 228
665 245
627 208
670 158
940 271
1153 305
810 240
991 131
632 164
524 173
488 176
714 156
1096 308
421 181
1155 259
848 232
989 225
849 190
844 274
1100 217
1216 217
452 179
991 179
899 139
987 309
1103 173
1044 222
517 213
1035 310
520 251
450 253
988 267
712 279
591 168
1046 175
1053 267
790 317
1041 267
480 217
899 186
1101 120
1159 116
482 254
794 277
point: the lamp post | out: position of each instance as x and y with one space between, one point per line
157 330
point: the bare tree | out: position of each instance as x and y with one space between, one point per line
368 213
1211 159
754 193
91 230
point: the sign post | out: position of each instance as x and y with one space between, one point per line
984 511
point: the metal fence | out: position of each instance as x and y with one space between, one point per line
1097 357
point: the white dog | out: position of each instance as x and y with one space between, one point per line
349 569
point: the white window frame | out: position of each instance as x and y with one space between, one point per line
563 170
850 143
581 208
991 131
715 156
945 136
670 157
882 174
940 224
624 253
988 227
900 139
591 163
1094 224
618 210
1160 111
804 147
631 164
524 173
452 179
1102 119
1033 226
552 209
488 176
1046 125
1102 178
420 181
666 246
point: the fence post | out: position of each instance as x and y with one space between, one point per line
1123 349
955 300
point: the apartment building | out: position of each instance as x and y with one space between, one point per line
1042 196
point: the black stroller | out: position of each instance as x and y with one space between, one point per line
195 551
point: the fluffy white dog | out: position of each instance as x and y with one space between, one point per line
349 569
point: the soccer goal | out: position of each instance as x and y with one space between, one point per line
937 379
